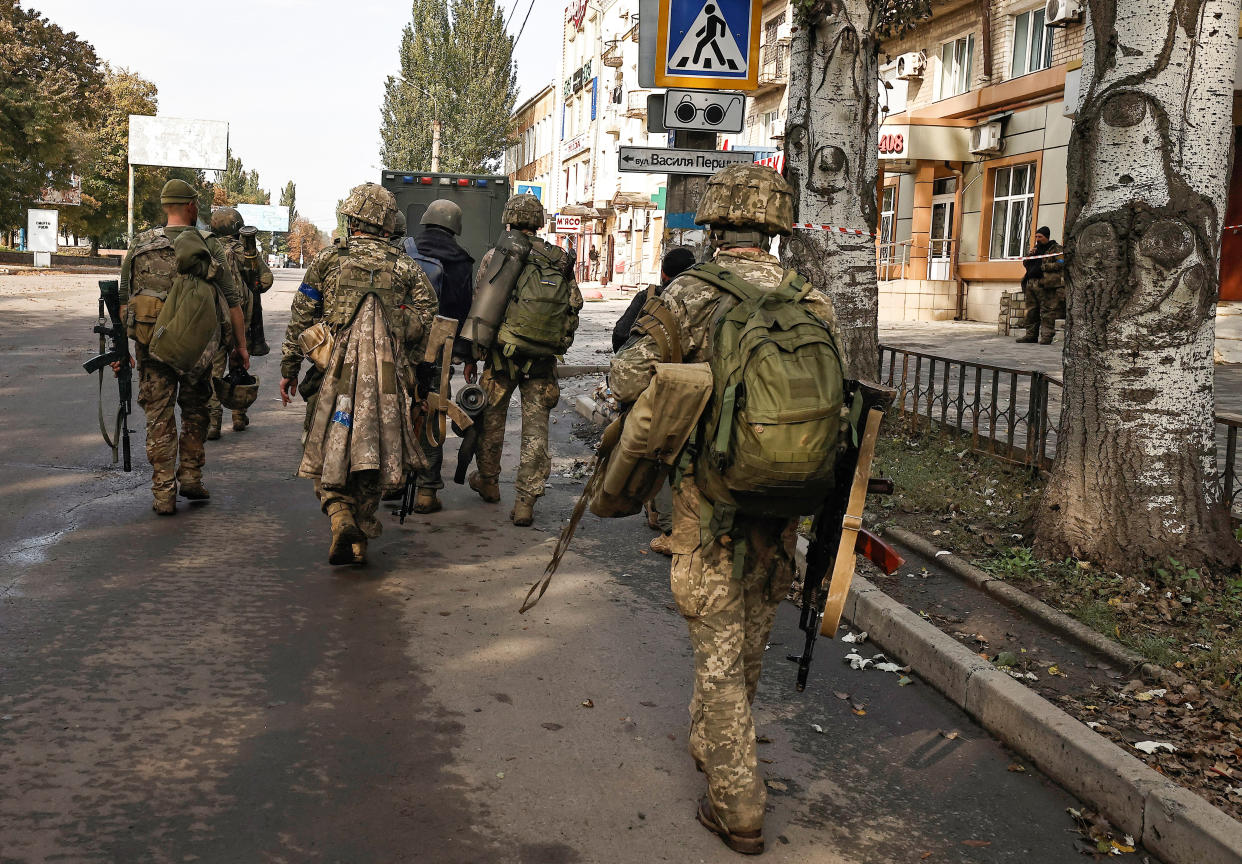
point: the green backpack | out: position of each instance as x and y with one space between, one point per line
770 442
186 334
539 320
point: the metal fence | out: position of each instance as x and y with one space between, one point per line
1012 414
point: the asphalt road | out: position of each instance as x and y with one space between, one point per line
206 688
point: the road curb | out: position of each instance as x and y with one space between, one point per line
1171 821
1016 597
568 371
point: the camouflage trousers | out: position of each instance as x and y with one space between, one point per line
729 621
539 397
160 388
361 495
1043 307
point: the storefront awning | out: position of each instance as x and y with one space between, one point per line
904 144
633 199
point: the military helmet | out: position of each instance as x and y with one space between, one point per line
226 221
237 390
523 211
372 204
747 197
446 214
399 226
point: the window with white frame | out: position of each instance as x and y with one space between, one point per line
1032 43
888 221
956 65
1013 199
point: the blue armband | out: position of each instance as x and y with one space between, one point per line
310 291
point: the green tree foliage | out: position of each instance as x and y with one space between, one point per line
457 68
288 199
241 186
46 79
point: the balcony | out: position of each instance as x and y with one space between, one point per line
774 68
612 55
636 104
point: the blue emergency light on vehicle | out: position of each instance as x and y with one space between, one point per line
408 178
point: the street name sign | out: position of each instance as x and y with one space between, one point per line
704 110
707 44
657 160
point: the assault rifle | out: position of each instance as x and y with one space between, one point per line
837 532
113 348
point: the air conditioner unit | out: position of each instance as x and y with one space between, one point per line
1062 11
985 139
910 65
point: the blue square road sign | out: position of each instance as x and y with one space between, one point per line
708 44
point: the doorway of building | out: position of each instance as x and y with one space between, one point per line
940 238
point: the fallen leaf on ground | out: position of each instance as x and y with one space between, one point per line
588 704
778 786
904 680
950 735
860 712
840 695
888 667
1056 671
978 844
552 727
1148 695
1151 747
943 552
1017 769
818 728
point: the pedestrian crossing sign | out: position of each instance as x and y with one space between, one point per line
708 44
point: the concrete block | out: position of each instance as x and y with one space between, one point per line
1179 826
941 660
1086 764
1024 142
1052 180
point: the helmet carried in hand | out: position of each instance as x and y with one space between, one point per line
237 389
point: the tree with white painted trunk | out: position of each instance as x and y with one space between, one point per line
831 142
1134 480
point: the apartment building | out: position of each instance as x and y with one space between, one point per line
972 147
767 105
529 161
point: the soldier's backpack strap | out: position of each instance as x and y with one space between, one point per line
656 320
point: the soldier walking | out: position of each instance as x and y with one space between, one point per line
147 275
378 307
437 241
226 222
730 569
539 323
258 278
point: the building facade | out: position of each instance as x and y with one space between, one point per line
530 160
972 147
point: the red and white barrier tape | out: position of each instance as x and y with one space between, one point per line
813 226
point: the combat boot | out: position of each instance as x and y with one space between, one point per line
1030 337
523 511
489 490
663 545
345 533
1046 339
359 550
743 842
193 489
240 421
213 425
165 505
427 502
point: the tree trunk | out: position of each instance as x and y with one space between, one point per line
830 142
1135 475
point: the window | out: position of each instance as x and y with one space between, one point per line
956 63
1032 43
1013 197
888 221
774 54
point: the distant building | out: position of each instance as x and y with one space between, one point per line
530 161
972 148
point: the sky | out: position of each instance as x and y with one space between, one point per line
300 82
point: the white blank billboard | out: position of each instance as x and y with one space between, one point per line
173 142
42 227
265 217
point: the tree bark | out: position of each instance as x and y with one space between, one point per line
831 152
1134 480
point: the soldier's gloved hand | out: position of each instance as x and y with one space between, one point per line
287 387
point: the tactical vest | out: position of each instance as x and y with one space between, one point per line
152 264
359 273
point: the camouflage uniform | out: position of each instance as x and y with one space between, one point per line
231 248
148 268
1044 289
319 292
540 392
729 619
